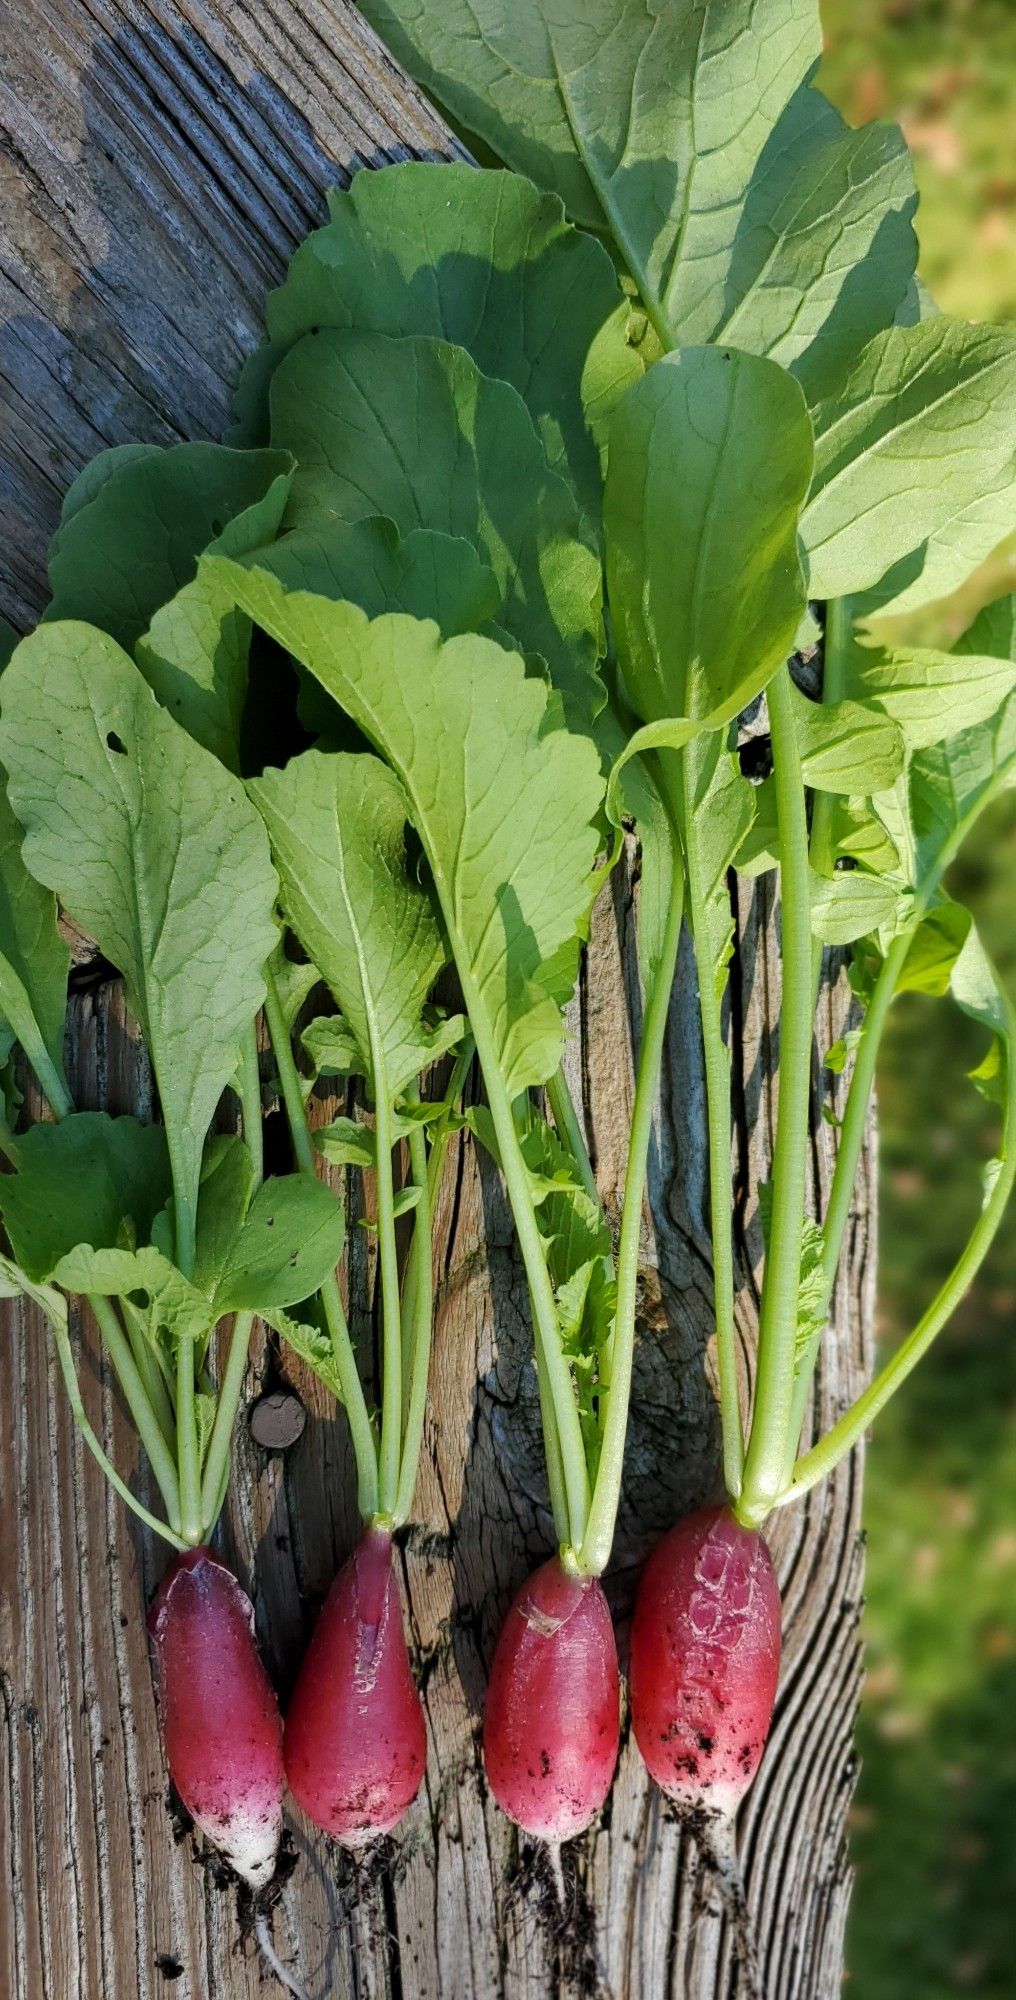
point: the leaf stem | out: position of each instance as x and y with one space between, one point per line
421 1304
250 1103
187 1443
150 1372
66 1359
569 1131
391 1322
556 1383
354 1401
835 651
143 1416
851 1142
219 1444
845 1434
770 1427
719 1127
596 1544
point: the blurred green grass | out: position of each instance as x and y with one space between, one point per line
935 1818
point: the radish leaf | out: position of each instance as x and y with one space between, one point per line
915 457
709 464
410 429
481 259
155 850
337 826
504 811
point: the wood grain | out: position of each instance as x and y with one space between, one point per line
157 162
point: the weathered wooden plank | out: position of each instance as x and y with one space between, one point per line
157 161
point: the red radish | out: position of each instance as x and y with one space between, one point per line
551 1720
705 1659
220 1719
355 1741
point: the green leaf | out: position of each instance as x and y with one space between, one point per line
710 459
993 631
34 960
309 1342
505 811
425 574
411 430
952 783
931 695
812 1312
717 810
146 1274
975 988
857 834
132 537
659 860
480 259
347 1143
847 746
760 849
332 1047
289 1243
851 904
914 460
937 942
744 208
195 652
90 1179
155 850
337 826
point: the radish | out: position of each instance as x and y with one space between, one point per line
705 1659
220 1719
355 1739
551 1720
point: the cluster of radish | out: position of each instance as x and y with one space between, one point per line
370 703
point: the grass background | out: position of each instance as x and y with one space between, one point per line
934 1827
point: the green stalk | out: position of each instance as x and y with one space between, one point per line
852 1425
360 1431
230 1391
556 1380
421 1326
132 1386
216 1466
851 1142
777 1345
142 1414
250 1103
150 1372
835 651
719 1123
569 1131
187 1443
595 1547
69 1373
391 1322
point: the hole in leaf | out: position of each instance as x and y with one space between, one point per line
113 742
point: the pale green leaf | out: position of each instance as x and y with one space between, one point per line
915 457
710 459
505 812
716 813
847 746
290 1241
347 1143
309 1342
337 826
34 960
481 259
155 850
931 695
743 206
410 429
851 904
